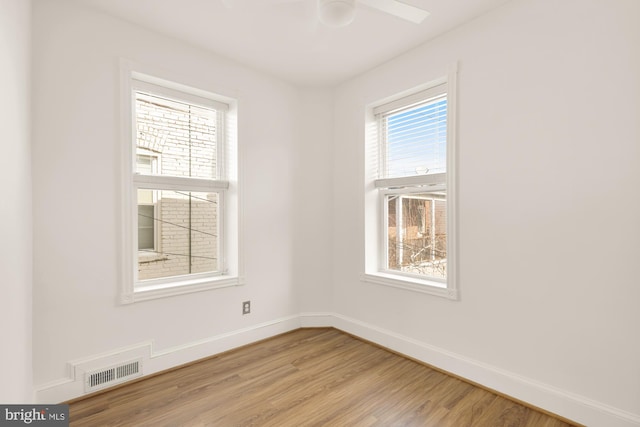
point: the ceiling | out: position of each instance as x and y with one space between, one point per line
284 37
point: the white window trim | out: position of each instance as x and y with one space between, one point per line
374 212
134 76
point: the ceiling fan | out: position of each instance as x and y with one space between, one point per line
339 13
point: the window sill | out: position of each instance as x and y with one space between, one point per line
149 292
410 284
146 257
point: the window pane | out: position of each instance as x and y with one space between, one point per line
416 139
183 137
144 164
186 226
417 233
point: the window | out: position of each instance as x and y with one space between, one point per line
148 215
409 214
146 227
180 192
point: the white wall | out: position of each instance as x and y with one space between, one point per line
15 208
549 147
77 200
312 258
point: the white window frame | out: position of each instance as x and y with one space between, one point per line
376 189
226 185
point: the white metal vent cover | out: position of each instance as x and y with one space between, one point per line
106 377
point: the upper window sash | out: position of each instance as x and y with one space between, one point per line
176 95
143 89
412 135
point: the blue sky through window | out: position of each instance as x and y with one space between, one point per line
417 139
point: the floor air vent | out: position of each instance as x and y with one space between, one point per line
106 377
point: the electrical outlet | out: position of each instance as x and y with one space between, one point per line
246 307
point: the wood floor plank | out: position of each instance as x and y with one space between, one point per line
308 377
468 411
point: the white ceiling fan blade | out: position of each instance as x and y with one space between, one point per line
399 9
229 4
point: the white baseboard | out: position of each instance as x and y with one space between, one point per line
317 320
154 361
561 402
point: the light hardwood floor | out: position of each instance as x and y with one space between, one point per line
308 377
